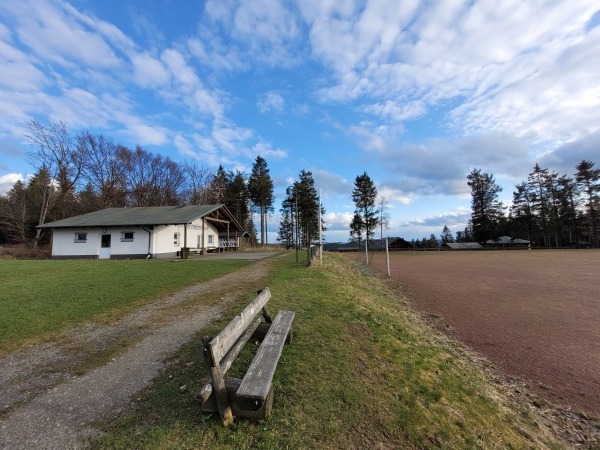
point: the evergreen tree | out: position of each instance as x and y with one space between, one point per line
568 208
237 198
308 207
364 196
218 187
356 227
522 212
588 180
260 188
446 236
15 215
286 225
538 194
486 209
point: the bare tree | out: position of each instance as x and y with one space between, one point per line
103 167
54 151
197 183
384 215
151 180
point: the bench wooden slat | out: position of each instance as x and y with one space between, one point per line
221 344
257 382
228 359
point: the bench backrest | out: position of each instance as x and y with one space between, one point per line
222 343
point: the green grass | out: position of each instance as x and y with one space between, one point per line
362 372
38 298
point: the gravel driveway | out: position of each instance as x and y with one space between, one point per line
53 392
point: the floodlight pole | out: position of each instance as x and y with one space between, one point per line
320 233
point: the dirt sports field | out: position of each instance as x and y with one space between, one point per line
535 314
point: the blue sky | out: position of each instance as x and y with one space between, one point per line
415 93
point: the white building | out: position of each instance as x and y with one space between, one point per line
142 232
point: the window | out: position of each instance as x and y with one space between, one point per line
210 239
127 236
80 238
176 239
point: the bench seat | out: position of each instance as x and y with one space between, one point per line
256 384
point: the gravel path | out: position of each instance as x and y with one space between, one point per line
53 392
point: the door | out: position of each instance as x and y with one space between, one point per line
104 247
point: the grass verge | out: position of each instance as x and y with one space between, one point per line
361 373
38 298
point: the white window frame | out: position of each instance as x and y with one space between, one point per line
176 237
211 239
124 237
78 237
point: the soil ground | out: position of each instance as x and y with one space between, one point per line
53 393
533 314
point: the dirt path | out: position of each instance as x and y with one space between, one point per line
53 392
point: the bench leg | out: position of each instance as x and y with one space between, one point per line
262 413
218 384
209 405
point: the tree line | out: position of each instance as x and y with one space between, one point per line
77 174
548 209
299 225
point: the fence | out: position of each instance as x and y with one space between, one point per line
312 251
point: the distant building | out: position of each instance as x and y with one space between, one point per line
507 242
463 246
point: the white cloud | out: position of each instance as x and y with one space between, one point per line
8 180
266 150
148 71
270 101
57 34
507 76
266 29
338 221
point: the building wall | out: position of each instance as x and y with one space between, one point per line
64 243
166 241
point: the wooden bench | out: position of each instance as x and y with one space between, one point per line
252 396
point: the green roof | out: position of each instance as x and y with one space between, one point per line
144 216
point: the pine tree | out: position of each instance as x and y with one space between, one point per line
260 187
356 227
364 196
588 180
286 225
486 209
308 207
446 236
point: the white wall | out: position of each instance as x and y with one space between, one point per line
162 241
64 245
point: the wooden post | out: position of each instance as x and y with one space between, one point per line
387 256
218 383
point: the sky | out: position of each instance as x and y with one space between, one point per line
415 93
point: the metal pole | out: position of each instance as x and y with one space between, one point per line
320 233
297 229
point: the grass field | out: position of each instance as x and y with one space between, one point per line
362 372
38 298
